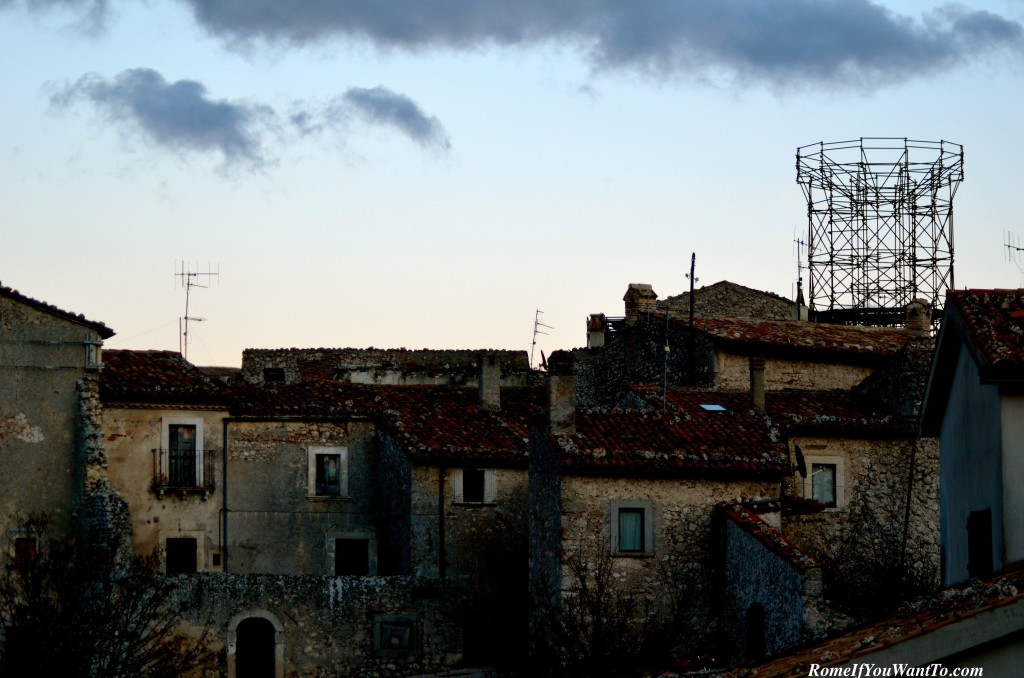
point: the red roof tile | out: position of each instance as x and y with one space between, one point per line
156 377
686 440
772 539
994 323
837 412
100 328
805 337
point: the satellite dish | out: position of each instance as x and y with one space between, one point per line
801 465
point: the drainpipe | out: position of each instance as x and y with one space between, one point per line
224 498
442 569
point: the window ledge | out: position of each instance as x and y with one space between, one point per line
328 498
475 504
629 554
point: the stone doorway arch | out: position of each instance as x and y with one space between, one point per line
255 645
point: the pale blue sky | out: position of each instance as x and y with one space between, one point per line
462 168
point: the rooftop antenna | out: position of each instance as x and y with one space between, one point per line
1013 250
799 245
691 346
537 324
188 278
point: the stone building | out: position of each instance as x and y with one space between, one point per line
46 354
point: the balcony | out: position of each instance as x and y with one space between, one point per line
184 472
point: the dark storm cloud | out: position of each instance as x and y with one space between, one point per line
835 42
176 115
381 106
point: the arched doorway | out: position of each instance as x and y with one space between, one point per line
255 645
254 649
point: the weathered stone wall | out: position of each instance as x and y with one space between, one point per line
41 470
393 475
274 524
727 299
637 356
330 622
899 386
755 576
732 372
383 366
678 578
131 435
868 530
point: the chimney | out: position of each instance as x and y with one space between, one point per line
595 330
757 382
919 316
561 394
640 298
488 378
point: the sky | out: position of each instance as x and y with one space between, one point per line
431 174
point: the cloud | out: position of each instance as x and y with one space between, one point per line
177 115
381 106
836 42
92 14
181 116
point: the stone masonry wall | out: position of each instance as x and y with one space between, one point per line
330 622
732 372
274 524
727 299
679 577
383 366
869 530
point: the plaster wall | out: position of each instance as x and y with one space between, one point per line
971 467
130 435
41 358
1012 418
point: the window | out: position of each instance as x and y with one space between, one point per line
25 550
328 472
632 528
351 557
823 484
181 460
180 555
979 544
273 374
825 479
396 635
473 485
351 554
181 455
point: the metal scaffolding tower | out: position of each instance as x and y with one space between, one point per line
880 226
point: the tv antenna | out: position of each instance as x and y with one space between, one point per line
800 246
189 277
1013 250
537 324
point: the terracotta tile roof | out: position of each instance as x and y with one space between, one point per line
804 338
914 619
772 539
833 412
156 377
432 423
993 321
100 328
687 440
444 423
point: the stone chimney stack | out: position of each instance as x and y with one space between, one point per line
919 316
757 383
561 394
640 298
595 330
489 382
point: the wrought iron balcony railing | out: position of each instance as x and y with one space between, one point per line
184 471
